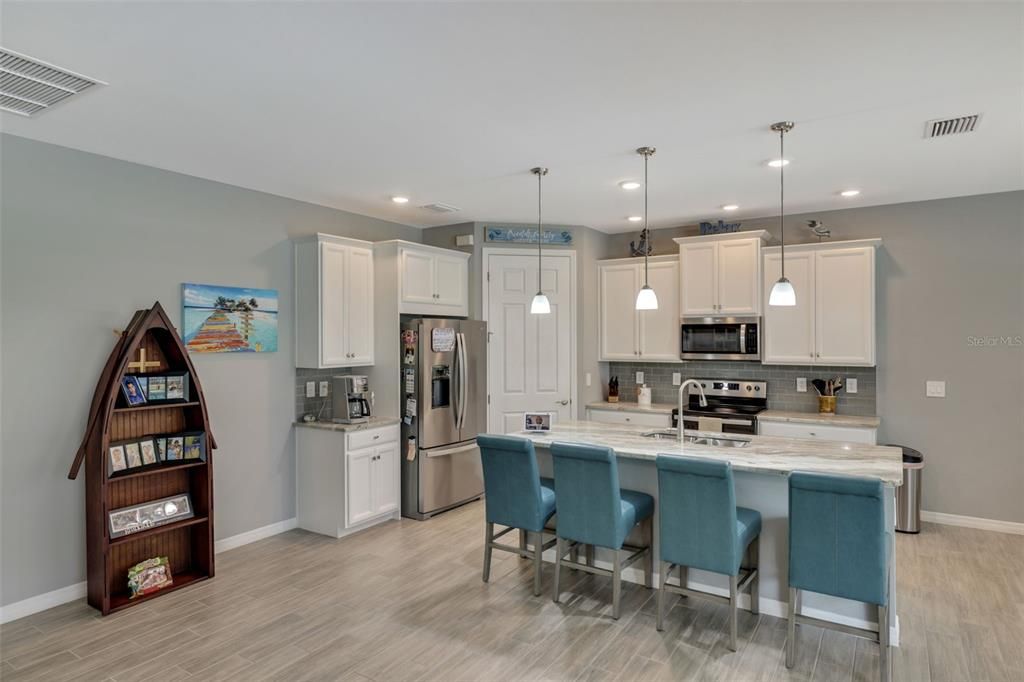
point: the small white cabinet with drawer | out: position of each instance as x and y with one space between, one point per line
346 480
655 419
849 434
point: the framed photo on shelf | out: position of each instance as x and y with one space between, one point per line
194 446
131 388
139 517
157 388
175 448
133 455
176 386
161 448
115 459
147 448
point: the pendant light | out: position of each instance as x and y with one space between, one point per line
540 305
782 293
646 299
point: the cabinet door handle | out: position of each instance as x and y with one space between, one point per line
377 437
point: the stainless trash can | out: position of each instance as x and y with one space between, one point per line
908 495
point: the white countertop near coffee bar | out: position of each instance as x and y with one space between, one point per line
818 418
764 454
653 408
373 423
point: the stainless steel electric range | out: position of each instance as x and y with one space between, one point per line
737 402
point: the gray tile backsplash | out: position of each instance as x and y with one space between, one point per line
782 393
320 407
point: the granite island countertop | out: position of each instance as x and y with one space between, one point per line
373 423
764 454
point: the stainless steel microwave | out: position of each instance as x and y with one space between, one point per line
721 338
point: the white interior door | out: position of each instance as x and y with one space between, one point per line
530 357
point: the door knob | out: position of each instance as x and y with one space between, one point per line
562 402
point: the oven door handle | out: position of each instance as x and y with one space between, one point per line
729 422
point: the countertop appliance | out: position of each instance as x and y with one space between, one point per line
351 402
444 407
721 338
736 402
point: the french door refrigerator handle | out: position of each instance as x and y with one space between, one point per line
463 386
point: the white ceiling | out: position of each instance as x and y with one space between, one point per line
346 104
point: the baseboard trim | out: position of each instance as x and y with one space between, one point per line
41 602
973 522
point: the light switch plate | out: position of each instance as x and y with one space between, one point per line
801 384
851 385
588 378
639 378
324 387
677 378
935 389
310 389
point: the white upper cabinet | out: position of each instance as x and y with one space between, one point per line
720 275
433 281
626 333
333 302
833 322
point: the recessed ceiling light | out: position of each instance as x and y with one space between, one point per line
629 184
849 192
635 218
400 200
730 207
778 163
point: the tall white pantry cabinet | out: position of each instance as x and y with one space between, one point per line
334 306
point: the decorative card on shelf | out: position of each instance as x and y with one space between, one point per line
151 575
218 319
193 446
527 235
116 460
128 520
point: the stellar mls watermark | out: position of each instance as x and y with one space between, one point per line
993 341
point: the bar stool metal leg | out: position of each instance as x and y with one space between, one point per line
755 584
684 577
734 595
649 557
616 583
794 595
884 653
522 543
664 569
538 550
488 540
589 552
558 567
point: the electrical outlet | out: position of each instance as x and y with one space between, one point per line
677 378
310 389
639 378
935 389
801 384
588 379
324 387
851 385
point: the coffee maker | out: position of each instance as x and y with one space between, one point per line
351 403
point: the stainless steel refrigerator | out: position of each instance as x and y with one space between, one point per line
444 389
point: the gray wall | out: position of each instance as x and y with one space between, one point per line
589 245
949 271
87 240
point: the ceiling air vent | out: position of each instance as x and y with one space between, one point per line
29 86
951 126
441 208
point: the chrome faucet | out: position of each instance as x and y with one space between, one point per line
703 402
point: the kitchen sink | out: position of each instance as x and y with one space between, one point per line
718 442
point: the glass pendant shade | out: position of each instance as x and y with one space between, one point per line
782 294
540 305
646 299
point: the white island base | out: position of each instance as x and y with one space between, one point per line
768 493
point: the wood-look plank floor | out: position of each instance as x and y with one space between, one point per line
404 601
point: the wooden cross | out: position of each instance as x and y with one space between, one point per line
142 365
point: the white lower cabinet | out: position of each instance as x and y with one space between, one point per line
346 480
849 434
654 419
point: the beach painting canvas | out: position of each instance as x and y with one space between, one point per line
218 319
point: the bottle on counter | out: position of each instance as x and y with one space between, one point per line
613 390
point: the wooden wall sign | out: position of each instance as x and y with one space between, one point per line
149 344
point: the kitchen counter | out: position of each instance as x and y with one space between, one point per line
374 423
653 408
764 454
818 418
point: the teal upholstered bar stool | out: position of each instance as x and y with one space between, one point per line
839 545
701 527
593 511
515 496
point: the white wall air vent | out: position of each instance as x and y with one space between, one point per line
441 208
29 86
950 126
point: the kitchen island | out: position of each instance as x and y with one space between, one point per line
760 467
